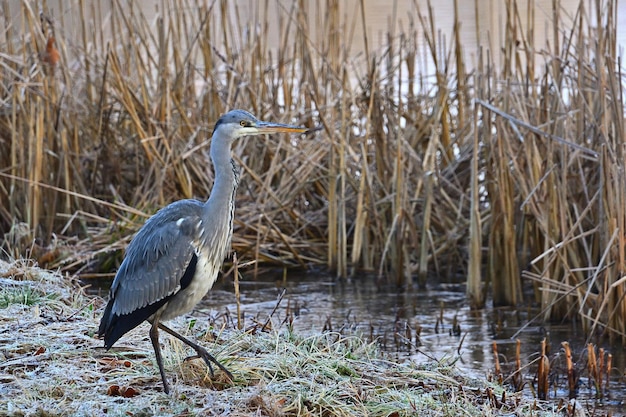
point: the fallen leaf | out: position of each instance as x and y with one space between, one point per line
128 392
108 363
113 391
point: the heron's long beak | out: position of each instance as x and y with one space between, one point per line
266 127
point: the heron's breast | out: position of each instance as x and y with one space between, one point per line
202 281
206 274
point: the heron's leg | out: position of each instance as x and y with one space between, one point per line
154 337
201 352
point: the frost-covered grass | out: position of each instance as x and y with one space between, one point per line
51 364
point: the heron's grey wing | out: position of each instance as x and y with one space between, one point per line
157 257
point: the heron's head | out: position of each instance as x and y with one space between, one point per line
238 123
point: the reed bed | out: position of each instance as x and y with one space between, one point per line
506 175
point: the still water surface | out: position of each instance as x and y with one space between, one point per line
390 316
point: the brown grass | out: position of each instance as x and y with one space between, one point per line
503 171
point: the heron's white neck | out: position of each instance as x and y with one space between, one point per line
226 177
219 209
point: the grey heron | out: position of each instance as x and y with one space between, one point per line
174 259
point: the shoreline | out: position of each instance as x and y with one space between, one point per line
51 364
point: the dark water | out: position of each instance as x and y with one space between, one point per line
315 302
422 326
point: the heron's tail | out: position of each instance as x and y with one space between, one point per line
113 326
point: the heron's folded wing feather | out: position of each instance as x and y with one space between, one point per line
157 257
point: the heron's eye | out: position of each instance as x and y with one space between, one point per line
243 123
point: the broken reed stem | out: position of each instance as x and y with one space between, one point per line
609 365
496 360
597 368
571 372
601 368
518 382
543 372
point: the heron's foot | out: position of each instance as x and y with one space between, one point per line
202 353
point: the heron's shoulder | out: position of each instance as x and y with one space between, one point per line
183 216
175 211
182 207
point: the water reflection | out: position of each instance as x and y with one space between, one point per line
417 325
